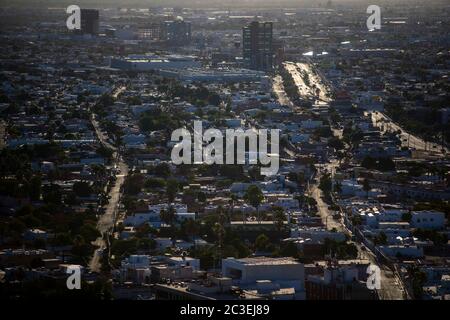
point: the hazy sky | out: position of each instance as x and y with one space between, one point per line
203 3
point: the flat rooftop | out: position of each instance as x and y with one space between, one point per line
182 259
254 223
266 261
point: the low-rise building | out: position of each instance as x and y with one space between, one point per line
286 272
428 219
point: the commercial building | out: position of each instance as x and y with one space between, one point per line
177 32
428 219
257 45
282 273
151 31
89 21
339 282
153 62
215 75
21 257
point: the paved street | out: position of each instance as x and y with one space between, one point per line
379 119
391 287
353 117
281 94
106 221
315 82
322 207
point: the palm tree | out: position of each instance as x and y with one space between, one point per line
219 230
171 190
278 218
168 216
98 170
233 199
191 228
366 187
254 197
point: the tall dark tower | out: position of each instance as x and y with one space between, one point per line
178 32
89 21
257 45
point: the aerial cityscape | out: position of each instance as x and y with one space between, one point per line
225 150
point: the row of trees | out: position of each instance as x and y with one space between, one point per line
290 87
381 164
197 95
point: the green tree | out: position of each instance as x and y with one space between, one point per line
278 218
105 152
52 194
262 242
80 249
417 279
168 216
201 197
162 170
381 239
171 189
106 100
191 228
155 183
219 231
336 143
89 232
35 188
325 183
233 199
82 189
254 197
289 249
133 184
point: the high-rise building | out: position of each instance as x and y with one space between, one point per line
89 21
177 32
257 45
152 31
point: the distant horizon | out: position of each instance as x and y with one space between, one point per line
212 3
